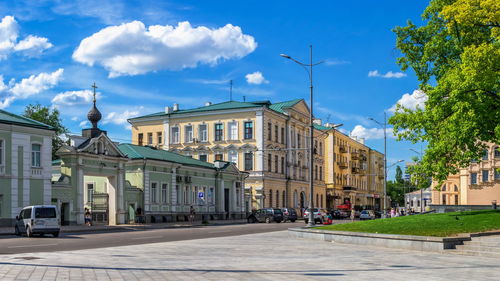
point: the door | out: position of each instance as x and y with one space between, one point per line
64 213
20 222
131 213
226 200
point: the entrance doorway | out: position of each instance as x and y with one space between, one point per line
64 213
226 202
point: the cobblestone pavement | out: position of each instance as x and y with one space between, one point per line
268 256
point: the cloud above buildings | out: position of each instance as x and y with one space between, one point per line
120 118
133 49
31 46
371 133
412 101
256 78
74 97
390 74
27 87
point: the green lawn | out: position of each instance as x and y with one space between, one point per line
441 225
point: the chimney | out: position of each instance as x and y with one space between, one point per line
176 107
168 109
208 103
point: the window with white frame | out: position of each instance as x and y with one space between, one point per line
248 130
232 156
219 132
233 130
203 133
36 150
154 190
150 139
211 198
485 175
473 178
203 157
90 192
174 135
186 195
188 133
164 193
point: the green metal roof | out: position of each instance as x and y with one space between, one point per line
56 162
10 118
321 127
144 152
213 107
279 106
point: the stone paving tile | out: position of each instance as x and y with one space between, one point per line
268 256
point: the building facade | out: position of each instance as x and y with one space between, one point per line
269 141
354 172
25 156
419 200
477 184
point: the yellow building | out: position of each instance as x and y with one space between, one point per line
354 172
478 184
267 140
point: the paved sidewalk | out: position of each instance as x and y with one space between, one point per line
84 228
269 256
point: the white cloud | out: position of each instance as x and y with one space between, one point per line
132 49
416 100
121 118
256 78
30 46
74 97
371 133
32 85
336 62
74 118
84 124
390 74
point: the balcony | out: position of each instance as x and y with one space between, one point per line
354 155
342 165
355 170
349 188
342 149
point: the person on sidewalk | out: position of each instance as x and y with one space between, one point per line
353 214
88 217
192 213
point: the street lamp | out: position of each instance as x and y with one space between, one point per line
421 191
311 129
384 126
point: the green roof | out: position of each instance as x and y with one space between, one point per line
10 118
144 152
321 127
213 107
56 162
279 106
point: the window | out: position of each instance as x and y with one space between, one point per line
150 138
320 148
443 188
283 201
188 133
140 139
248 161
283 135
277 198
315 172
444 199
456 188
233 130
485 154
456 199
269 131
232 156
270 198
186 195
497 151
276 164
35 155
211 198
1 152
174 135
283 165
497 174
203 133
269 162
485 175
473 178
298 140
164 193
203 157
218 157
153 192
317 200
238 197
177 195
248 130
276 135
219 132
159 137
320 172
90 192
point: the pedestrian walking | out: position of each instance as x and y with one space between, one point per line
192 213
353 214
88 217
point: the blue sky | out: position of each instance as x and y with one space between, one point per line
145 55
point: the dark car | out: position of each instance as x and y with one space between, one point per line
289 214
340 214
267 215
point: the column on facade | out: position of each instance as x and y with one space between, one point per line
79 212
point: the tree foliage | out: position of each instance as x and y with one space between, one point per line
456 58
50 117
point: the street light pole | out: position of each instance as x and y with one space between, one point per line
384 127
310 65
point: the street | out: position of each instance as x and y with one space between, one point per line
88 240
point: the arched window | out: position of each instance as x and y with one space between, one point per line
283 202
277 198
270 198
497 151
295 199
485 154
456 188
317 200
443 188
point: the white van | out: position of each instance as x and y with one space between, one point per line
38 219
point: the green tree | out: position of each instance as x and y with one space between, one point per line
50 117
399 175
456 57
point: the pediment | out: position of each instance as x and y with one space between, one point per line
66 149
231 167
217 148
202 148
247 147
100 145
301 107
231 147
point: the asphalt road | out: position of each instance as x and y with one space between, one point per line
89 240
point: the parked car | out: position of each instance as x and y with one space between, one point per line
289 214
267 215
340 214
367 215
38 219
319 215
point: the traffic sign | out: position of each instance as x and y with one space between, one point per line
201 194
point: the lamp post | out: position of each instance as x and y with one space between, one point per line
384 126
421 191
311 128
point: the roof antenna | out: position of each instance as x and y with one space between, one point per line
230 90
